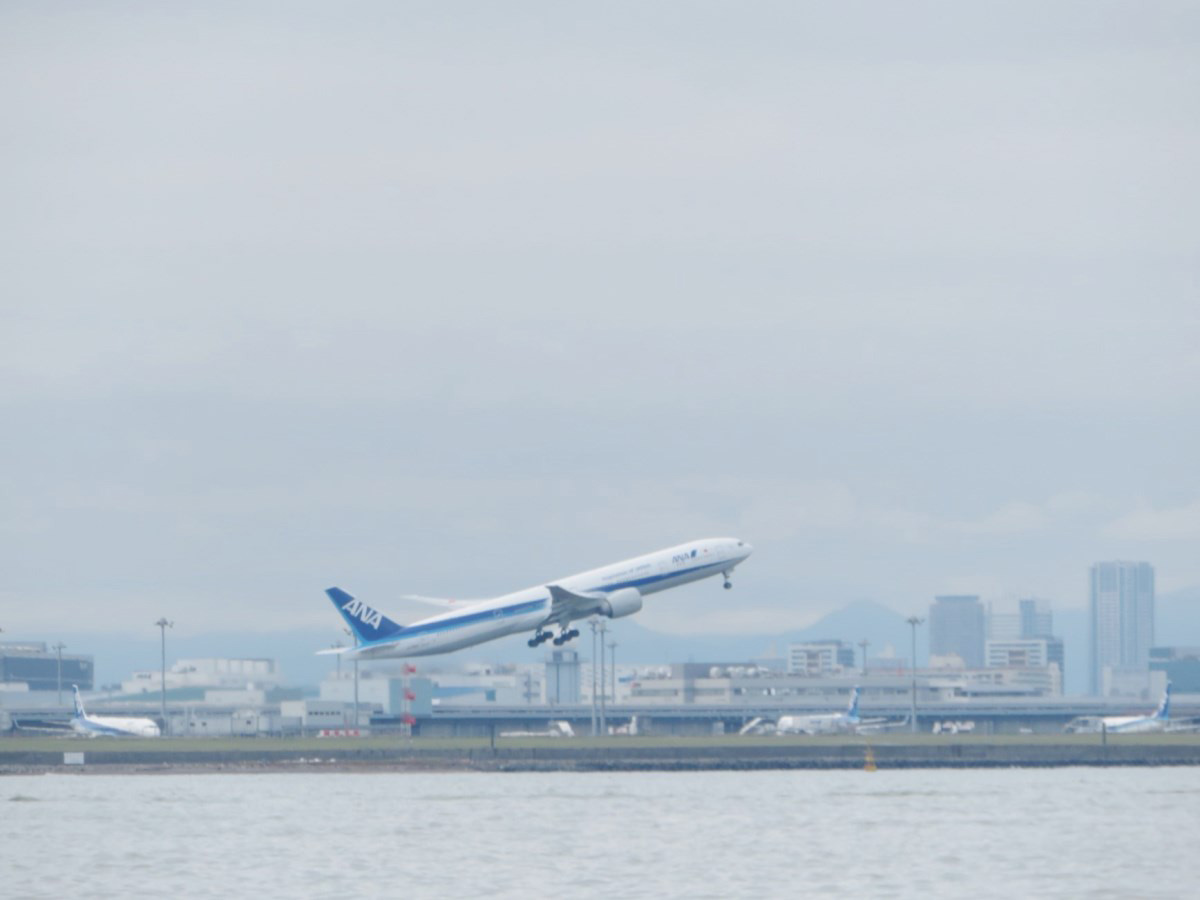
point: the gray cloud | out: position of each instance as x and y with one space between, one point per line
454 301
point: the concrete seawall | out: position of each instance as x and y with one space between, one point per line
608 756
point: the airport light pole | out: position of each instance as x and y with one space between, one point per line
595 719
603 686
612 649
163 625
58 648
914 621
347 630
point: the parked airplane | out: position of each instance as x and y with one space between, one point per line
93 726
828 723
558 728
1156 721
612 591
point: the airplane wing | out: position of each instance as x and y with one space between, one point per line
1190 725
877 726
567 605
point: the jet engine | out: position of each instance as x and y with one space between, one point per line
624 602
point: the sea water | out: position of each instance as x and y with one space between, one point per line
1072 832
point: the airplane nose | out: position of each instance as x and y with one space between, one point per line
746 548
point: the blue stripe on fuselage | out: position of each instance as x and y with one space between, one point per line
89 725
653 579
485 615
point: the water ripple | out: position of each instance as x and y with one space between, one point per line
978 833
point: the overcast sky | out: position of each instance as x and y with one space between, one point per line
458 298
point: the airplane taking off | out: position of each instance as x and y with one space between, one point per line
1156 721
93 726
613 591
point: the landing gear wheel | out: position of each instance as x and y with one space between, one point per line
728 585
566 636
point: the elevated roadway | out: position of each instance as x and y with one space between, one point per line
1044 715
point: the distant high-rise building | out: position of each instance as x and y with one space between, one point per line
1028 634
1182 665
819 657
1003 626
1122 620
957 625
1025 653
1036 619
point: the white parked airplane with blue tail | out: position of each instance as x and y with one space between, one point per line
836 723
614 591
94 726
823 723
1159 720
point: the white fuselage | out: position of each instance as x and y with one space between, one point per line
95 726
1133 724
528 609
819 723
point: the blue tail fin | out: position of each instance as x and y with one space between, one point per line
366 623
1164 706
852 710
79 713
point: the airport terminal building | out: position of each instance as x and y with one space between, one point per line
42 668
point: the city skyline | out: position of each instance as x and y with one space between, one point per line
881 625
